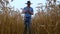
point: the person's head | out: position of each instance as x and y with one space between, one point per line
28 3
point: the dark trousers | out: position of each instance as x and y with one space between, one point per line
27 24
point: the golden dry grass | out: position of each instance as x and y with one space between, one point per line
9 23
43 22
47 22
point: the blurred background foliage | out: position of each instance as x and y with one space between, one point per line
45 21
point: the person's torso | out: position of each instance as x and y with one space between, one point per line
28 14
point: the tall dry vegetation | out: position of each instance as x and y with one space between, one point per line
10 21
44 22
47 22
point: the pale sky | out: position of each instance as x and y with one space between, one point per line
21 3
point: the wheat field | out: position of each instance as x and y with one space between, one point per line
11 22
48 22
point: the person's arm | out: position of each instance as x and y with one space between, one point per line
31 12
24 11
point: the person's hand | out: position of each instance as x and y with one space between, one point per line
28 10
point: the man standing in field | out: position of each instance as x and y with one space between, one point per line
27 11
